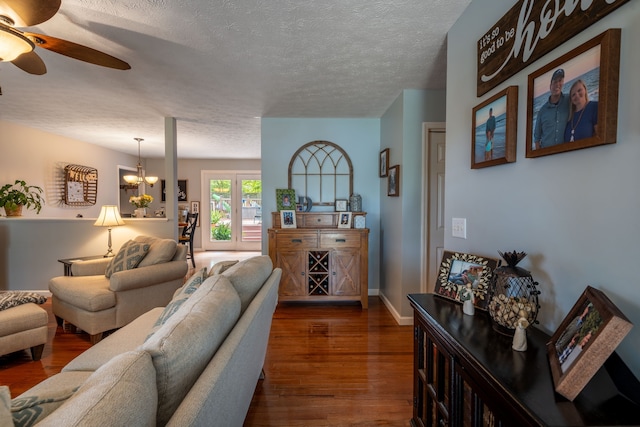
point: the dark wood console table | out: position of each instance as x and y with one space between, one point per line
466 374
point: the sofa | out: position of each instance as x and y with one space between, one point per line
108 293
194 362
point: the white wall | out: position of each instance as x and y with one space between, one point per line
574 213
190 169
360 138
401 132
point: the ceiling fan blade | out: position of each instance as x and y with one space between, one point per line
25 13
31 63
77 51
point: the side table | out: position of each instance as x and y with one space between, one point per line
68 262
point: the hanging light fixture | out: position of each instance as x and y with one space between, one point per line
136 180
12 43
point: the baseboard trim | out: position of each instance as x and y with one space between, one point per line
401 320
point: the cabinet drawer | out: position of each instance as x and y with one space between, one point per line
319 220
300 240
339 240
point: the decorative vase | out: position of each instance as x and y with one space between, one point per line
512 293
140 212
15 211
356 203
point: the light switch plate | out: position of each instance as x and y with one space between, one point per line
459 227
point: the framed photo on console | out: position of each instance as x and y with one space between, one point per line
584 341
457 269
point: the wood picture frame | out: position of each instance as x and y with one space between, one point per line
593 66
181 190
393 181
494 130
585 339
341 205
285 199
288 218
383 164
195 208
345 220
457 269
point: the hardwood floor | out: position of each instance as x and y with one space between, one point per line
326 365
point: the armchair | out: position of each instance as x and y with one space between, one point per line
96 303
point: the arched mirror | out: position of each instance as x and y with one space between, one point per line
321 171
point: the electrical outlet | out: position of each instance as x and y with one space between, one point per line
459 227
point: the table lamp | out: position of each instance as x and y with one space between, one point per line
109 217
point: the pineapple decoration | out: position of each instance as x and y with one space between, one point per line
512 291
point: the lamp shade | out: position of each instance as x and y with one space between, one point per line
109 217
13 44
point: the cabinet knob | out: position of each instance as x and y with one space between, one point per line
341 240
296 240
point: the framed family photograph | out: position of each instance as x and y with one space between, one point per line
572 102
584 341
494 130
285 199
459 269
345 220
288 218
393 181
384 163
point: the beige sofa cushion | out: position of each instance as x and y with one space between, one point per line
120 393
90 293
160 250
221 266
46 397
127 258
183 346
179 297
127 338
248 275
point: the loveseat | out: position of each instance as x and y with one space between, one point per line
195 362
108 293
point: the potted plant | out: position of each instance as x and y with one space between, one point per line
14 196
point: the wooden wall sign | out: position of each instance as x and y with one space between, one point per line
529 30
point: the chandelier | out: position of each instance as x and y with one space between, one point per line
136 180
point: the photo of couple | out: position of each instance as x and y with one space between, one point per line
565 102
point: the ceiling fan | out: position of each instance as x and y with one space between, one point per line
18 46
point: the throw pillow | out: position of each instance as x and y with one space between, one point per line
178 299
127 258
5 407
27 410
161 250
221 266
15 298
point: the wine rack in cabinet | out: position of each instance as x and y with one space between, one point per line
321 264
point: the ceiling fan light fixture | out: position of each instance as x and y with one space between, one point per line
13 44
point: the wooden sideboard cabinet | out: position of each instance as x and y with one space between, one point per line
466 374
321 264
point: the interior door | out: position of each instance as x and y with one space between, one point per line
232 213
434 149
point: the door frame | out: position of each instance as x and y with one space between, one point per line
429 256
236 243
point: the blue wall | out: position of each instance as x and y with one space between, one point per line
574 213
360 138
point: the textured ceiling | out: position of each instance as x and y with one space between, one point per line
218 66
